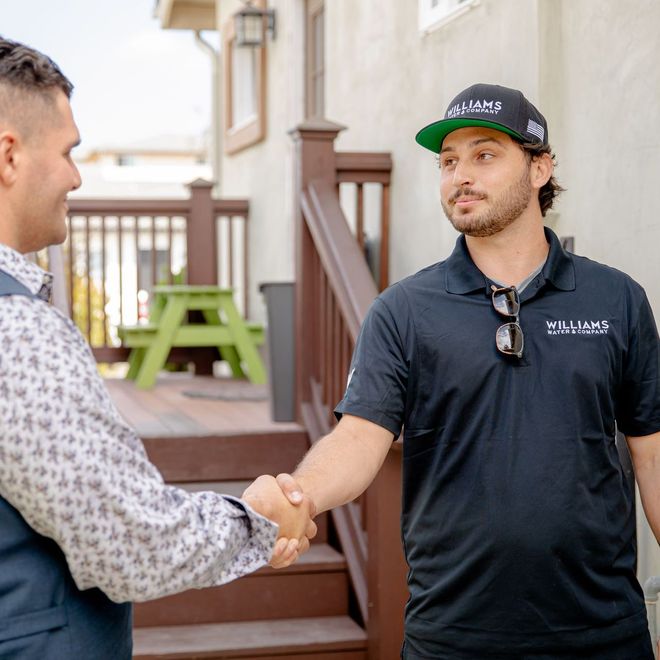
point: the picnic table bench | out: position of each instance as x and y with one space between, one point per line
168 327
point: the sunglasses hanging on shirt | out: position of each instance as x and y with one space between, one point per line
509 337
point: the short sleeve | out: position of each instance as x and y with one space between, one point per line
638 405
378 375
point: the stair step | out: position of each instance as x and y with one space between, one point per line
316 585
231 456
320 638
237 487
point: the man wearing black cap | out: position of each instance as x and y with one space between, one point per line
508 366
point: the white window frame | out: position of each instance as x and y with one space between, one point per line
433 14
250 128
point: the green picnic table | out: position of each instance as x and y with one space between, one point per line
168 327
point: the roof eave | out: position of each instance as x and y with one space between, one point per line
186 14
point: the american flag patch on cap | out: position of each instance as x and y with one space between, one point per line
535 129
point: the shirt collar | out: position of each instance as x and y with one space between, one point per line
462 275
37 280
559 268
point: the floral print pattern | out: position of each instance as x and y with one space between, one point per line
79 474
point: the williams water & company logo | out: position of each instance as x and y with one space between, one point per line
577 327
482 107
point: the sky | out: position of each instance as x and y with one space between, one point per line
132 79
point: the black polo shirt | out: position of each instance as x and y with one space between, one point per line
516 518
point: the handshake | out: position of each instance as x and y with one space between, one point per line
282 501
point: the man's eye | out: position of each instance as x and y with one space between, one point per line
486 156
448 162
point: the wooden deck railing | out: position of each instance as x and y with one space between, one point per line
334 289
368 173
118 248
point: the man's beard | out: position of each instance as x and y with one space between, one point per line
501 213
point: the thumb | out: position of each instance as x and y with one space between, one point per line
290 488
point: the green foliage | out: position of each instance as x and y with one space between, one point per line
80 311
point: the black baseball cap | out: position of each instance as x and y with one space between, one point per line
491 106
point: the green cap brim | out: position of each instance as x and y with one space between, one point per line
432 136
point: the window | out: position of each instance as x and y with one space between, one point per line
436 13
125 160
315 59
243 86
244 91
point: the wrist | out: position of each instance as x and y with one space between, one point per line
308 491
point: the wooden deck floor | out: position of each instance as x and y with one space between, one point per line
183 405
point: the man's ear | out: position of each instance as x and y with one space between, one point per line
542 169
9 147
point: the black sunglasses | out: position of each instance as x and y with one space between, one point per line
509 337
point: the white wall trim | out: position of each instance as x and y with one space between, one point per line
430 20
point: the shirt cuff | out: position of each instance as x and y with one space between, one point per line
257 551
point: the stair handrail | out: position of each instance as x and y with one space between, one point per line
339 252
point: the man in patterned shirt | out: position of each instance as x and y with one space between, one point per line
86 523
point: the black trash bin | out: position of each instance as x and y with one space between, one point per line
279 298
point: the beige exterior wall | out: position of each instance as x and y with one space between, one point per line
263 173
610 142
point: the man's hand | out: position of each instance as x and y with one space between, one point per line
290 487
296 527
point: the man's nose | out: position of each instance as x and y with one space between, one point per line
463 174
77 179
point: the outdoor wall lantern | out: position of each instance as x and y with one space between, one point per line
252 24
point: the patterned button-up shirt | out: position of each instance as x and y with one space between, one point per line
79 475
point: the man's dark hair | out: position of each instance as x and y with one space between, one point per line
552 188
24 68
29 82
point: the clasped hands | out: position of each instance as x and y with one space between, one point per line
282 501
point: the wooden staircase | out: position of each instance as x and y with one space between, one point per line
298 612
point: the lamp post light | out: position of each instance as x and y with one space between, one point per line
252 24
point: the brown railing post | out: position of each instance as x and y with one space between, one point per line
315 159
386 567
202 256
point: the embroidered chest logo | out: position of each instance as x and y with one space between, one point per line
578 327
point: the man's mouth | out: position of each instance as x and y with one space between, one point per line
466 200
466 197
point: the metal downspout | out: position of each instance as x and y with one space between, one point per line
216 151
651 590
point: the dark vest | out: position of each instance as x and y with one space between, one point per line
43 615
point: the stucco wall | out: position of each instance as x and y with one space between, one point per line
610 142
263 173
